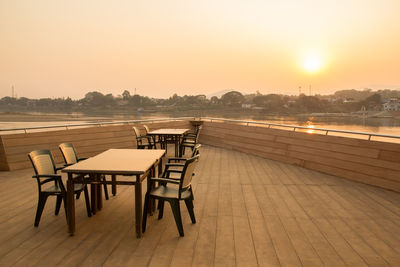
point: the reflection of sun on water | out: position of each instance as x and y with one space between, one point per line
311 127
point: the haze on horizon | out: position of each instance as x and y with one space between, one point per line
68 48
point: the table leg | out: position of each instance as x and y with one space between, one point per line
99 194
93 194
70 205
152 202
160 171
114 186
138 206
176 146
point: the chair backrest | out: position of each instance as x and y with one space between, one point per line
42 162
198 133
68 152
137 132
146 128
196 150
198 129
187 173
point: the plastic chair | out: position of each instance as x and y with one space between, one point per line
50 183
142 141
189 140
151 138
173 195
70 157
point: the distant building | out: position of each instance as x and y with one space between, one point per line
201 97
349 100
392 105
247 105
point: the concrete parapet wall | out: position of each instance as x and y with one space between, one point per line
370 162
88 141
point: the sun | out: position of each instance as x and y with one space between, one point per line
312 63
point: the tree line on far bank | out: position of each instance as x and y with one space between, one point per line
343 101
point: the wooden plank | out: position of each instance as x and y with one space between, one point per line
347 165
347 157
354 150
393 156
261 240
355 176
54 148
304 136
262 212
3 158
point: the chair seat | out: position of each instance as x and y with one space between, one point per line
169 192
56 189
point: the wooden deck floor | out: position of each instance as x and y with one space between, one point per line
250 212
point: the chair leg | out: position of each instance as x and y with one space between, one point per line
144 221
105 188
189 205
160 209
191 193
176 210
58 204
65 206
39 210
87 201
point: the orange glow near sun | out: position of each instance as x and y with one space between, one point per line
312 63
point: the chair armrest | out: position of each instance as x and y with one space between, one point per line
60 168
165 180
47 176
68 164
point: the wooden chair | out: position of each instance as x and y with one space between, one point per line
46 174
173 195
70 157
141 140
189 140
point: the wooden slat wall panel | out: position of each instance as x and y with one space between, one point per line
88 141
371 162
3 159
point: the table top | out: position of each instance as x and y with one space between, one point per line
118 161
168 132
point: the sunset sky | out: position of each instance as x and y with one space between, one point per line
51 48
